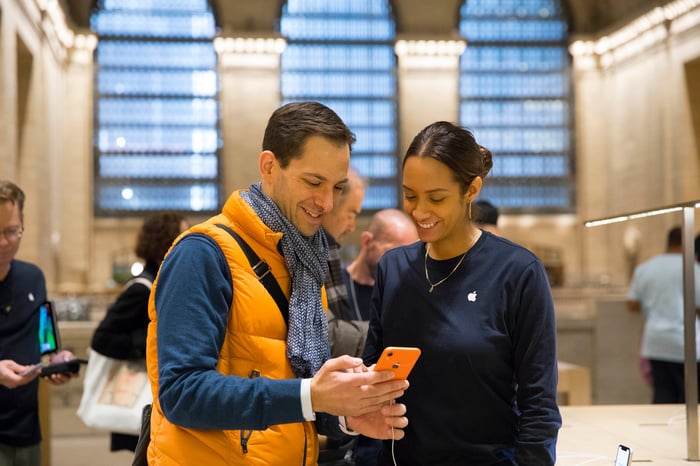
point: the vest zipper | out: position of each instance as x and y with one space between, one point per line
245 434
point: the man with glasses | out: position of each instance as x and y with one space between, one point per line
22 290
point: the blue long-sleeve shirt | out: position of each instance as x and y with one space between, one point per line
193 298
484 389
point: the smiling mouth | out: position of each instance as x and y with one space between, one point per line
311 214
426 225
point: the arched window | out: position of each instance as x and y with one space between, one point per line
156 112
341 53
516 97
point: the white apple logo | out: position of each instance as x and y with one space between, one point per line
472 296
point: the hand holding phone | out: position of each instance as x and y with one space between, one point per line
69 367
29 370
399 359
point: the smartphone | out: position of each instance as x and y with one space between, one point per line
67 367
624 456
49 339
399 359
31 369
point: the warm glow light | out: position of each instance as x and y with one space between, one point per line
449 48
643 214
643 32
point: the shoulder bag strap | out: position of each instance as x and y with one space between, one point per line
263 272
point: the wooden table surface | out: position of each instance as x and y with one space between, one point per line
655 433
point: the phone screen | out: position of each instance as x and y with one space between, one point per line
623 456
49 341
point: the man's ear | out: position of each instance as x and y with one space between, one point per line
266 164
365 238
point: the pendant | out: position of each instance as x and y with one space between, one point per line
431 288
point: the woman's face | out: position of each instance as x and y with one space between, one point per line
433 199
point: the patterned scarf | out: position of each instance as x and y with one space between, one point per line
307 260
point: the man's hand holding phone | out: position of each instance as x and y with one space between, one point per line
13 375
390 420
62 367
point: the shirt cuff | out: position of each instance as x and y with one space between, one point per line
306 409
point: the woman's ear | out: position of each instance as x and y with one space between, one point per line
474 188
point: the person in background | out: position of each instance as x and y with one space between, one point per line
484 390
337 225
657 291
22 290
485 216
388 229
257 382
122 332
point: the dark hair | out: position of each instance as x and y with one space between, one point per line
292 124
456 148
10 192
157 234
675 237
485 213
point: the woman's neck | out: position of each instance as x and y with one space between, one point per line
455 245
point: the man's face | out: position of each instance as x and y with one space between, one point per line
308 188
9 220
342 220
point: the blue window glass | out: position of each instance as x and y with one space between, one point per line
341 53
515 95
157 134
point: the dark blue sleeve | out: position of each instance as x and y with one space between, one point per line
535 362
193 296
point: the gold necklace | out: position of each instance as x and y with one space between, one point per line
433 285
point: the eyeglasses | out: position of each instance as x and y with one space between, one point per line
12 233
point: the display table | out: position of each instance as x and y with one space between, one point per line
574 386
590 434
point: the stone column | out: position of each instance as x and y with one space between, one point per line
428 76
249 73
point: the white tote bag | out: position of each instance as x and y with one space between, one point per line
114 394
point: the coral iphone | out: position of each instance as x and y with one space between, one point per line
399 359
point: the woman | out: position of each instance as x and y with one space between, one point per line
479 307
122 333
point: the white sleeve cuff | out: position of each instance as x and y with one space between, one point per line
306 408
343 424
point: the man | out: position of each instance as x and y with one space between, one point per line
22 290
657 290
232 382
337 225
388 229
485 216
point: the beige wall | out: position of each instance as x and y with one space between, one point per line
636 144
636 149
